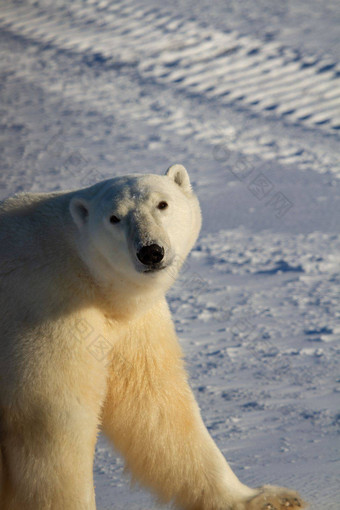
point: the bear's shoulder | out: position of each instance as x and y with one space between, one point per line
25 205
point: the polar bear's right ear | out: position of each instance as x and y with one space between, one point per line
180 176
79 210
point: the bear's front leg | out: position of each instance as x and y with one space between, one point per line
151 416
47 461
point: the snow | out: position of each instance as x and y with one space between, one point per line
247 96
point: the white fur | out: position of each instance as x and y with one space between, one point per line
70 281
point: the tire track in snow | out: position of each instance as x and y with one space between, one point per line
227 67
231 69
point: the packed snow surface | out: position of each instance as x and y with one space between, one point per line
247 96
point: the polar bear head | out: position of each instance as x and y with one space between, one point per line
137 229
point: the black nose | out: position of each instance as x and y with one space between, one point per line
151 254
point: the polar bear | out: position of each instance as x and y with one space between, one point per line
87 343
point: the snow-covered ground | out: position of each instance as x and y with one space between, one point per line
247 96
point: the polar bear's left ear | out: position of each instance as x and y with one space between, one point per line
180 176
79 210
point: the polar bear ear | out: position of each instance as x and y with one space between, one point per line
79 210
180 176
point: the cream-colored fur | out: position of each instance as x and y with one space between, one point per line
87 341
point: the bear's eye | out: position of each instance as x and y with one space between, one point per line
114 219
162 205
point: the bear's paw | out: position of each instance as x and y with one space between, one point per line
275 498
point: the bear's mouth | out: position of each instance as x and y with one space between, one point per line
154 268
